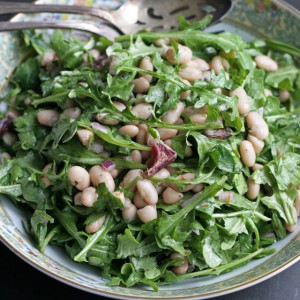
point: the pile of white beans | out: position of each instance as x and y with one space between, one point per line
147 194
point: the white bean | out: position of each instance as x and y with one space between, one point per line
142 111
99 175
162 42
257 125
129 130
168 142
184 94
115 172
284 96
85 136
268 92
95 226
266 63
96 148
139 201
182 269
48 58
145 154
173 115
185 177
45 179
225 196
47 117
257 144
146 64
190 73
77 199
198 188
147 191
120 195
9 138
105 120
167 133
198 118
219 63
188 151
72 112
5 155
206 77
150 139
136 156
253 189
129 213
113 63
141 85
257 166
195 69
79 177
184 55
119 105
12 113
94 53
247 153
171 196
147 213
132 175
200 64
292 227
190 110
243 100
89 196
163 173
141 137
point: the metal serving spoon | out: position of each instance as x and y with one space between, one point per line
133 15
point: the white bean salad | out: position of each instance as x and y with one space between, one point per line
157 157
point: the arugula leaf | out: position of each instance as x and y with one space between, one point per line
76 153
195 39
113 137
127 244
278 171
39 226
11 190
69 51
119 86
184 24
283 78
31 38
94 238
282 202
209 254
166 224
282 47
27 74
106 199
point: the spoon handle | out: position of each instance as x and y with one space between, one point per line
102 30
19 7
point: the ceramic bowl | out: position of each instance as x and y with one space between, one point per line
249 18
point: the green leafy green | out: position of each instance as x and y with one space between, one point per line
214 226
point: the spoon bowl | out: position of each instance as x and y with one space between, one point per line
135 15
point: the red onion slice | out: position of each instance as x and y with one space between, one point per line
161 156
6 125
187 201
221 133
108 165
